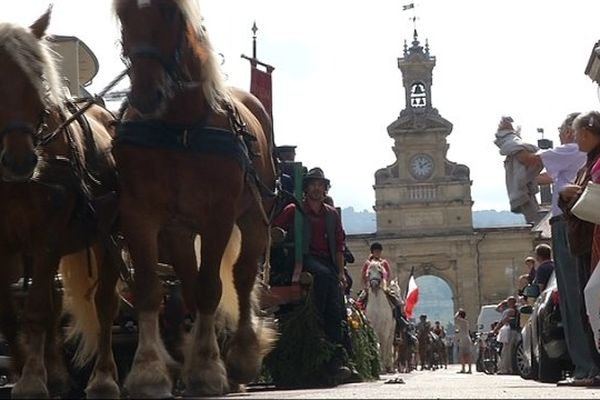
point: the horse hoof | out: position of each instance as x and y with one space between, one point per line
201 389
243 358
243 368
149 393
104 390
211 380
149 380
30 389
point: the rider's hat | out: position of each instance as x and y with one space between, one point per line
423 316
315 174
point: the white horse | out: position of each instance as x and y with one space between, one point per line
380 315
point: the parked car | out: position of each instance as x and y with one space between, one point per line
542 353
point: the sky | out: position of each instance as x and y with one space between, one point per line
336 85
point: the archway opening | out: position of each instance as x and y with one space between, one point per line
436 301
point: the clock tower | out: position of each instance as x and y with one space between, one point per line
422 193
423 210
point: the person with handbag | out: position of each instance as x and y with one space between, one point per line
580 232
561 165
587 208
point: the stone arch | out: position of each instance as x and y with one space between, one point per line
436 299
447 274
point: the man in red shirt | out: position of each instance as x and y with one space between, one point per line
323 257
376 250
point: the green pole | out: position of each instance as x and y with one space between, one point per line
298 218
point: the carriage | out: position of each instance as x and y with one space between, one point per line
63 212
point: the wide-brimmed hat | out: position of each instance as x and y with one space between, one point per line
315 174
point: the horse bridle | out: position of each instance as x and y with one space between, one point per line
179 78
27 128
378 279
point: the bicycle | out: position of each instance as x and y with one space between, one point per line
491 354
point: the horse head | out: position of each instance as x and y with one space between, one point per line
375 274
168 51
29 88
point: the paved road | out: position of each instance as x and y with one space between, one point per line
444 384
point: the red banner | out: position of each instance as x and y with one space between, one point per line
260 86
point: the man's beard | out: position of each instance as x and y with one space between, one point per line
316 195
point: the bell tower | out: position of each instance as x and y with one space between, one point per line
422 192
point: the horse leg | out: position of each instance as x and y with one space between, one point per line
58 376
396 355
445 357
103 380
247 348
181 249
9 324
148 377
204 371
38 318
389 360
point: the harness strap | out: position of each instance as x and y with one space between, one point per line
52 135
195 139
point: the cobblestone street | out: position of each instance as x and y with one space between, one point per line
430 385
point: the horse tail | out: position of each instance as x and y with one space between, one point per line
79 273
228 310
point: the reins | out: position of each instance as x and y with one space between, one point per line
88 104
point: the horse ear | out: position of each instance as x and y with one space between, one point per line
38 28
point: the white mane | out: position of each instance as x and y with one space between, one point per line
36 60
213 83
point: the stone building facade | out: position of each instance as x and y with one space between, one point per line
424 208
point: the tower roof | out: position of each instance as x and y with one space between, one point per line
416 48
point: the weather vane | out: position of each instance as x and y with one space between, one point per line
414 18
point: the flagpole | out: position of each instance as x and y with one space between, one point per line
260 81
254 30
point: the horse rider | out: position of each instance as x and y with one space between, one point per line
423 323
323 258
376 250
439 330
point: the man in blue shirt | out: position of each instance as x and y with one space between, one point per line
543 256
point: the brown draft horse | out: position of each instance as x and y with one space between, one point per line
193 157
44 217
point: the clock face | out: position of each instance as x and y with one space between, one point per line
421 166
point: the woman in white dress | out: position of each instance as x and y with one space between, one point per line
463 340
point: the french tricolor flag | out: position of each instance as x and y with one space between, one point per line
412 296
